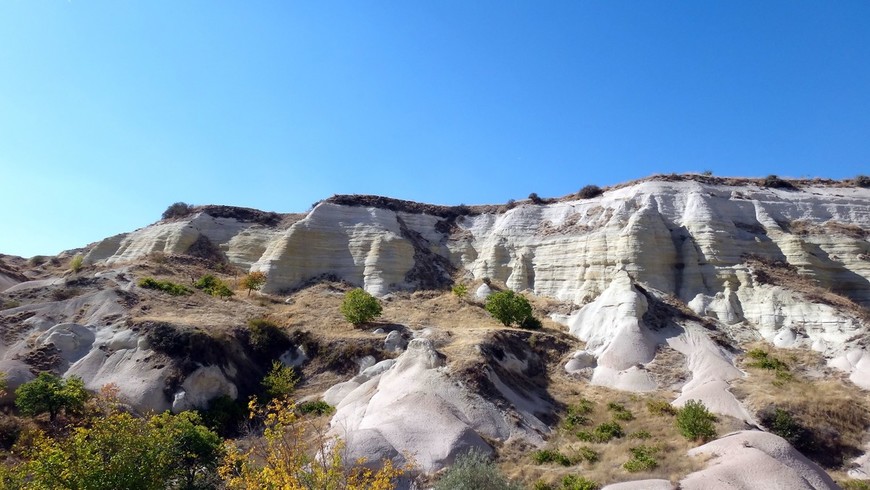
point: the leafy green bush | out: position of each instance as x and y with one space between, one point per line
660 407
531 323
360 307
781 423
642 459
224 415
266 337
508 307
280 380
474 470
317 407
695 422
210 284
577 414
577 482
587 454
165 286
544 456
51 394
460 290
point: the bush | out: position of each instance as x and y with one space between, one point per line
589 191
253 281
178 210
209 284
641 434
474 471
642 459
280 381
531 323
508 307
535 198
165 286
37 260
460 290
577 482
695 422
763 360
619 411
862 181
775 182
224 415
781 423
76 263
267 338
544 456
660 407
603 433
51 394
587 454
318 407
360 307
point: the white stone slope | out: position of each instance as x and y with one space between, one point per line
413 410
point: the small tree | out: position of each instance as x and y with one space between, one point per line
508 307
280 380
253 281
695 422
360 307
460 290
51 394
177 210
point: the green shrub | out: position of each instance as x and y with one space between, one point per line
587 454
660 407
318 407
642 459
460 290
177 210
253 281
641 434
37 260
619 411
855 484
544 456
603 433
781 423
165 286
542 485
224 415
531 323
280 380
210 284
474 470
266 338
508 307
695 422
76 263
577 482
360 307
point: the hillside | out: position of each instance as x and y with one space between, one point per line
750 296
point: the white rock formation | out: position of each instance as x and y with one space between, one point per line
748 460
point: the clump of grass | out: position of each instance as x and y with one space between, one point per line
602 433
165 286
587 454
545 456
642 459
577 414
660 407
620 412
641 434
764 360
76 263
577 482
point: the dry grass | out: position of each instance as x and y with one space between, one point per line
831 408
671 457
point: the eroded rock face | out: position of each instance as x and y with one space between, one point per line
413 407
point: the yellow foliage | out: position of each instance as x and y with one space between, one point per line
280 460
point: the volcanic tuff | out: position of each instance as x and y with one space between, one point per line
684 267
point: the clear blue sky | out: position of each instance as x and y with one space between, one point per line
112 110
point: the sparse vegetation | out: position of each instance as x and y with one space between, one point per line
253 281
76 263
642 459
660 407
775 182
166 286
459 290
37 260
510 308
764 360
695 422
602 433
620 412
577 414
577 482
544 456
360 307
474 470
177 210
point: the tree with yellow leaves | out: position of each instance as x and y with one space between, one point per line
279 461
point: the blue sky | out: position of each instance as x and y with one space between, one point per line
112 110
